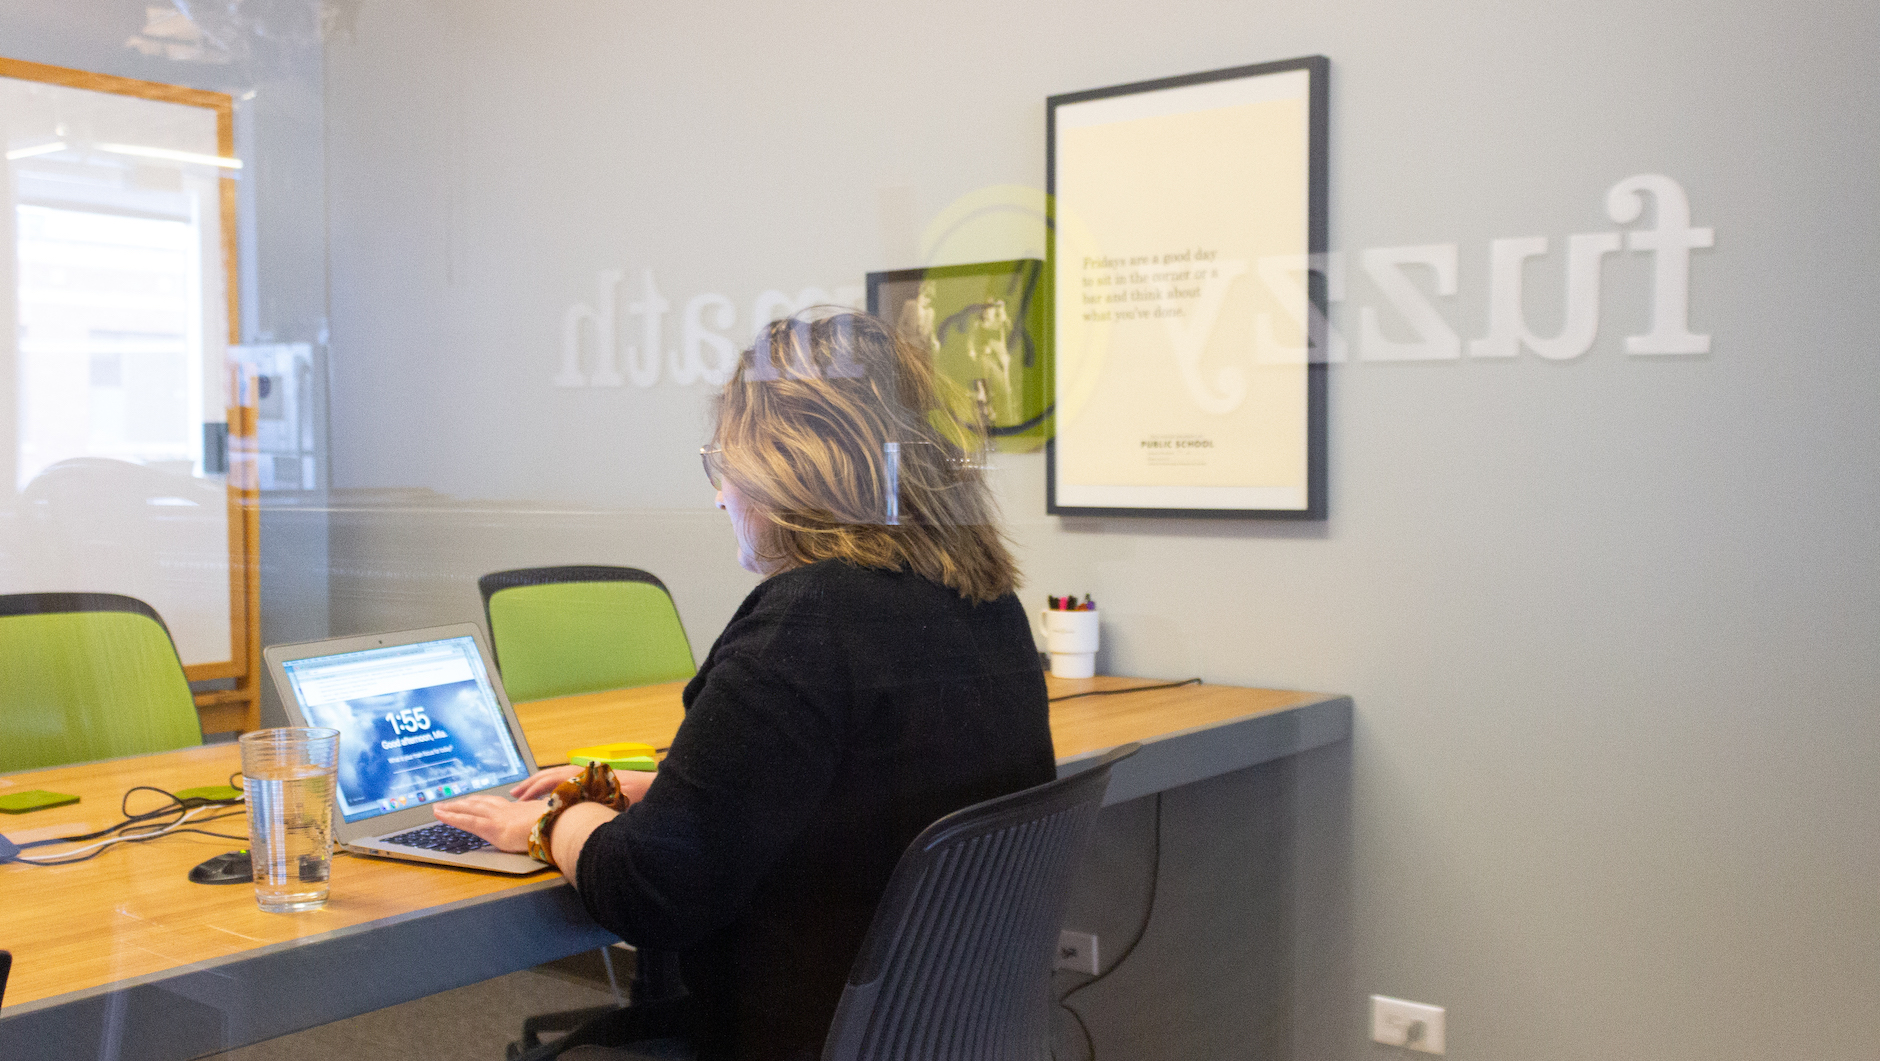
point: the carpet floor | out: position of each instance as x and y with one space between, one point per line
472 1023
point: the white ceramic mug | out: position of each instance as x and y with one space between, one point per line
1071 639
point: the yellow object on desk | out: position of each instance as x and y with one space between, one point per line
622 756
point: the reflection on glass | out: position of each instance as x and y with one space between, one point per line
110 338
114 339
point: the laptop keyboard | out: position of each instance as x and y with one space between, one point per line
439 837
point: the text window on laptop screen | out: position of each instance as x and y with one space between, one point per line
417 723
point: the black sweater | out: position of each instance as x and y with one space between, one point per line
842 711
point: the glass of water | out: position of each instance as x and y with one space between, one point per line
289 775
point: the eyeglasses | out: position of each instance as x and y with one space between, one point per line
708 456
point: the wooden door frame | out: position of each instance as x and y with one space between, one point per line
238 708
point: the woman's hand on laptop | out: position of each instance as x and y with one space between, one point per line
539 784
504 824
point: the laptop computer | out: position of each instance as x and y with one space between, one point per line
420 720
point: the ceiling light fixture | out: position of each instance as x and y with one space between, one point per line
38 149
172 156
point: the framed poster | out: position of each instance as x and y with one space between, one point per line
1182 216
984 325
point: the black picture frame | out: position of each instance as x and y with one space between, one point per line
1006 302
1061 498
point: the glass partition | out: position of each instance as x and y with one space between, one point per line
381 310
120 389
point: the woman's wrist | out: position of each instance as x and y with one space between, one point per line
572 831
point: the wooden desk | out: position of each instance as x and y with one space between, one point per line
124 950
1188 733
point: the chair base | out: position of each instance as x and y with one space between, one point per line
565 1021
674 1018
657 1000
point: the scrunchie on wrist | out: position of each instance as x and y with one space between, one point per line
594 784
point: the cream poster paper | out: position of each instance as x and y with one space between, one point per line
1166 203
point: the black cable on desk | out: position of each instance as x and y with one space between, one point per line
163 821
1155 873
1131 689
133 838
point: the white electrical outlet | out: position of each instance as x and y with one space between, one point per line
1412 1025
1077 951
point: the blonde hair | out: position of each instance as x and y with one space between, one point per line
806 426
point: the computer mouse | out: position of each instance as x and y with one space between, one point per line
231 867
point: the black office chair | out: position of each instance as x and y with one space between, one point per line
6 966
957 963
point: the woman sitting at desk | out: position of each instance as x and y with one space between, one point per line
881 676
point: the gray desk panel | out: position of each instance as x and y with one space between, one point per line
1187 756
257 995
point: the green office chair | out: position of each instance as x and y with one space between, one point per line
88 676
557 631
563 630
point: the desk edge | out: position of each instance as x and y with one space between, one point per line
1183 757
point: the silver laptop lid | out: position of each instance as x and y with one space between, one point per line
420 719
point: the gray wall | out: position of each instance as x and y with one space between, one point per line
1609 622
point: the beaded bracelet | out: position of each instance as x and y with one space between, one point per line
594 784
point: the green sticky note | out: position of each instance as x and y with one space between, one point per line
34 799
210 792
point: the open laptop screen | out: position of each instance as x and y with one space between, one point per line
417 723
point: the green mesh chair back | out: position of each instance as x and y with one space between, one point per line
88 676
563 630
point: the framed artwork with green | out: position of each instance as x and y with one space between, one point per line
985 326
